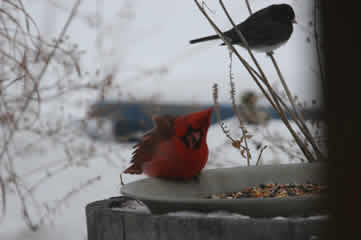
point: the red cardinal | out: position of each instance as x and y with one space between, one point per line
176 148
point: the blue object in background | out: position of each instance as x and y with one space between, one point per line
131 117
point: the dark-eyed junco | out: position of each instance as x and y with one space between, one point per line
265 30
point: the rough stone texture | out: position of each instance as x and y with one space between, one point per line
103 223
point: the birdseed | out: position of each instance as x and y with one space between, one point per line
273 191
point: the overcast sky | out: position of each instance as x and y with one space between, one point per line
146 44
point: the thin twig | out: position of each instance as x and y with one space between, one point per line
60 38
248 7
251 70
316 9
303 127
274 100
218 115
40 76
299 117
25 211
276 104
236 109
3 199
260 154
71 193
121 180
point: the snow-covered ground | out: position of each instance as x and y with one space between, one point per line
144 44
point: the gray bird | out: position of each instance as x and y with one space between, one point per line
265 30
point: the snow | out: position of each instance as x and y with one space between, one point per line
215 214
132 206
145 45
135 207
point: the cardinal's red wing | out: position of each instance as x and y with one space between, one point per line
144 151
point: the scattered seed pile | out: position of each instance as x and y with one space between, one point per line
273 191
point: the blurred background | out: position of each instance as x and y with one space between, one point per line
53 160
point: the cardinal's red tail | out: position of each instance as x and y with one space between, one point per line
134 169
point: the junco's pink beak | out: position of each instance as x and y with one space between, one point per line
294 21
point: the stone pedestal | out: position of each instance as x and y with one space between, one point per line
110 220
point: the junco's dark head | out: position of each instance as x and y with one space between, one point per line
282 13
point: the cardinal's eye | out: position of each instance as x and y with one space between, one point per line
192 138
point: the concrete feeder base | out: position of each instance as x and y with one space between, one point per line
247 218
105 223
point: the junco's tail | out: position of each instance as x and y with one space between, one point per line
203 39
